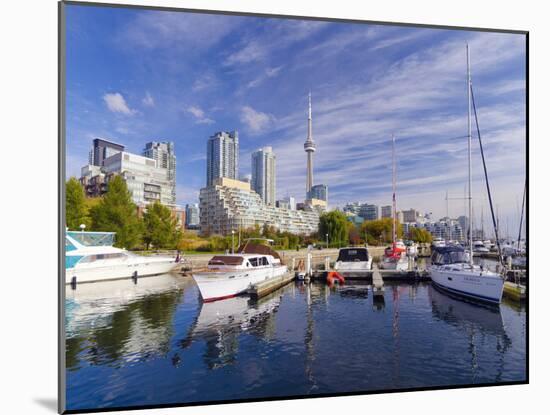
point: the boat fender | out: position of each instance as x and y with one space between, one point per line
335 277
73 282
135 277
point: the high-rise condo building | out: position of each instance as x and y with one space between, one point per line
386 211
263 174
192 219
410 215
102 149
319 191
146 182
309 148
165 156
222 156
229 205
369 212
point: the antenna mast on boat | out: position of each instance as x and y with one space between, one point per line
469 84
394 212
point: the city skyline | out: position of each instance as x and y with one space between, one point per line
253 75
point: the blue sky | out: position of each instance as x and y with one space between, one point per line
139 75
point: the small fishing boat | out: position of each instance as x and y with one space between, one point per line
91 257
227 276
353 260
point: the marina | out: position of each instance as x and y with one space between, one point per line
160 343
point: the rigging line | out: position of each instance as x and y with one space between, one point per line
486 178
522 211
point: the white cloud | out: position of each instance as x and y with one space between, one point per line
116 103
256 121
268 73
176 30
198 113
205 81
148 100
250 53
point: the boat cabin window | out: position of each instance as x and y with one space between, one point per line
258 261
448 257
226 260
353 255
98 257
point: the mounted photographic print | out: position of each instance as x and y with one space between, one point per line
260 207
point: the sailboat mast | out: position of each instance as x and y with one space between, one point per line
394 213
469 84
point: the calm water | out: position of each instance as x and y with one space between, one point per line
156 343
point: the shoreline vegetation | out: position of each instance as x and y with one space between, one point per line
157 229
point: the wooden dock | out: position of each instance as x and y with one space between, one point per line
377 281
263 288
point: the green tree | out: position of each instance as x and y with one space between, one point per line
335 224
116 212
75 207
420 235
160 228
380 230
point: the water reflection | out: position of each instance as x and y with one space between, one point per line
119 322
219 324
479 322
158 343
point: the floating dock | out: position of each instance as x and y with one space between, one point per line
514 291
385 274
263 288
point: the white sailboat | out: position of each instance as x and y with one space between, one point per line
395 257
453 271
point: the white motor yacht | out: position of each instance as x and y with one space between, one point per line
353 260
480 248
91 257
229 275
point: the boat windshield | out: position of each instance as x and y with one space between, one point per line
91 238
353 255
226 260
444 257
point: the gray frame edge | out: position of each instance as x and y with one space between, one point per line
61 91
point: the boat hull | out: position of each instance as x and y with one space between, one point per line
215 286
155 266
353 267
477 285
401 264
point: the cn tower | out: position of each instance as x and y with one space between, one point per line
309 147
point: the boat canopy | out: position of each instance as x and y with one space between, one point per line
256 248
89 238
226 260
353 255
448 255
